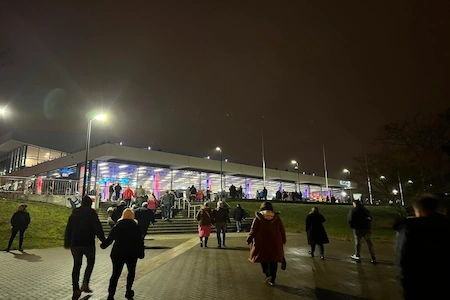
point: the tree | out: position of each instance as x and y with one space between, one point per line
415 150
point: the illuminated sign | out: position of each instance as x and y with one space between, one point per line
345 183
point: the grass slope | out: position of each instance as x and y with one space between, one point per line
336 225
46 229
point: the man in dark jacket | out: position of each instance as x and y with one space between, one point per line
19 222
221 218
360 221
238 216
418 240
117 189
117 213
145 217
81 229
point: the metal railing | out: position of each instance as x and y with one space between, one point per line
34 185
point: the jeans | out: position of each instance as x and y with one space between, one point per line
13 236
238 225
363 234
313 248
221 227
270 269
77 253
118 263
166 212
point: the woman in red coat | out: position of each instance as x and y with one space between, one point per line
267 237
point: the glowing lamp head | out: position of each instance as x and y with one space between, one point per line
346 171
100 117
294 162
218 149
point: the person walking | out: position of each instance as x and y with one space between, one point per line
166 203
428 233
204 218
140 194
82 227
360 221
152 203
267 237
110 192
117 189
127 196
117 213
316 232
110 212
144 217
19 222
220 220
238 216
128 247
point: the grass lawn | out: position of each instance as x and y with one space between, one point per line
46 229
336 225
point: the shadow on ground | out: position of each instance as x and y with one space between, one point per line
321 294
27 256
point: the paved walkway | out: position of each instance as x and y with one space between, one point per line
175 267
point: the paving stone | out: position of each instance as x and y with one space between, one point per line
177 268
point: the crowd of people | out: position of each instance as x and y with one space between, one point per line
418 237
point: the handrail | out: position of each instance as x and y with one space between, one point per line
189 206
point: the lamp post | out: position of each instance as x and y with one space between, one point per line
99 117
221 172
347 171
294 162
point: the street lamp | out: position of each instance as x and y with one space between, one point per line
347 171
382 177
99 117
294 162
221 171
2 111
410 181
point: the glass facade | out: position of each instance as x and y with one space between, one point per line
26 156
157 180
36 155
13 161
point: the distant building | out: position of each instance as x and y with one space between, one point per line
48 155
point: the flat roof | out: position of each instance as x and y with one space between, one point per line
145 157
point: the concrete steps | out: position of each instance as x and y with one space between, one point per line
180 223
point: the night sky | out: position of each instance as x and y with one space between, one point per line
187 76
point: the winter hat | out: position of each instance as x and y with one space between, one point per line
127 214
87 201
266 206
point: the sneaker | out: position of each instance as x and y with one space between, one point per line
7 250
21 249
238 231
268 279
272 283
355 257
374 260
322 257
129 294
